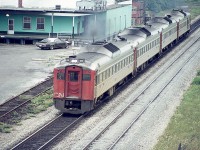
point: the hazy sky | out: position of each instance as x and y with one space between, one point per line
43 3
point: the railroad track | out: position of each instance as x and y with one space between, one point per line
16 103
195 25
144 108
42 138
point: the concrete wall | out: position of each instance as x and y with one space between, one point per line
118 19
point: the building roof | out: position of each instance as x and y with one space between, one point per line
62 10
67 14
44 10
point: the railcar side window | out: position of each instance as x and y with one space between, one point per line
137 53
129 59
119 66
170 32
86 77
101 77
116 68
111 71
132 58
126 61
97 80
105 73
73 76
60 75
157 41
108 72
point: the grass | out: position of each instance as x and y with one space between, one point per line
195 11
5 128
41 103
184 127
38 104
194 8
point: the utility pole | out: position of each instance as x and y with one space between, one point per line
51 35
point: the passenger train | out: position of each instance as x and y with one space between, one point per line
80 81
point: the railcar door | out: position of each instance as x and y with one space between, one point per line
73 82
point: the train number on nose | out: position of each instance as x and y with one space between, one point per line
60 95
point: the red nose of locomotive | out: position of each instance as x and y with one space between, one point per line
73 89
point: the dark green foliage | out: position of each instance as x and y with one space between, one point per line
192 1
161 5
196 81
198 73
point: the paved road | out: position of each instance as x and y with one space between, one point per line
23 66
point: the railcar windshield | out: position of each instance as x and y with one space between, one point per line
73 76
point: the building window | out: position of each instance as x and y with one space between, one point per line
27 23
40 23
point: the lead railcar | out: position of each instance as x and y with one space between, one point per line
81 80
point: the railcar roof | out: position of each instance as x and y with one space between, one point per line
92 60
91 56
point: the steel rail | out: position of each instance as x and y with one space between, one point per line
43 137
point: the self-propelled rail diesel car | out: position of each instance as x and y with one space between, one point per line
81 80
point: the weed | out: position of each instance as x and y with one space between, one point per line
5 128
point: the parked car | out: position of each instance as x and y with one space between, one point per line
69 42
51 43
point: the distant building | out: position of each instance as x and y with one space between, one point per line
137 13
91 4
99 22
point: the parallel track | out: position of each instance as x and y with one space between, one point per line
42 138
136 99
195 25
16 103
